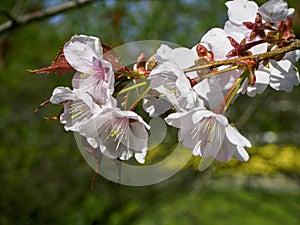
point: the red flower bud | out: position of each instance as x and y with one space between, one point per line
141 61
204 54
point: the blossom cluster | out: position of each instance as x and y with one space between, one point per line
181 85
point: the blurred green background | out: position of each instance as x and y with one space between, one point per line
45 180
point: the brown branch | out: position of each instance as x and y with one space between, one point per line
15 22
294 45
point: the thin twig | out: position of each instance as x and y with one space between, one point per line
15 22
295 44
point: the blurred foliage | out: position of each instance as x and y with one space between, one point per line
266 160
270 159
45 180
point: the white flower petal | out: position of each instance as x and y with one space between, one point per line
218 43
179 119
292 56
184 58
258 49
261 83
227 151
240 11
274 10
61 94
140 157
231 28
241 154
155 106
81 51
284 75
200 113
211 90
125 155
235 137
211 149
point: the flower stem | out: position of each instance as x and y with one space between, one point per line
234 90
231 93
142 95
132 87
132 75
202 77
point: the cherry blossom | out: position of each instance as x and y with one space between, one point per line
85 55
79 106
169 79
209 135
118 134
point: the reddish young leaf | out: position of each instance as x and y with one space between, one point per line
110 56
59 66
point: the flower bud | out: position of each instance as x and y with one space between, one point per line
204 54
141 61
